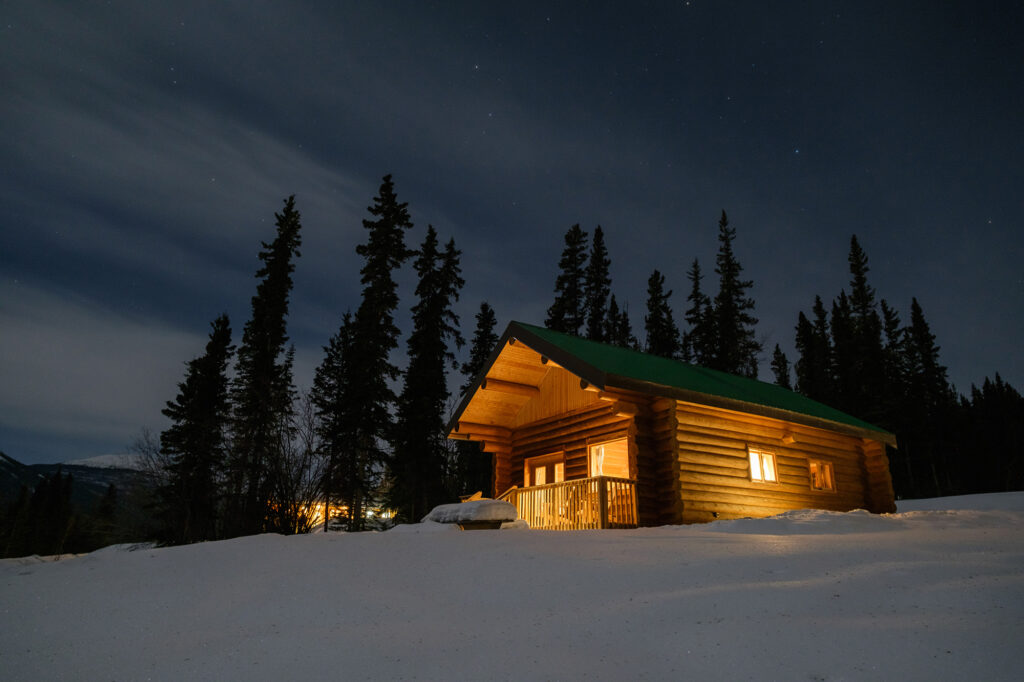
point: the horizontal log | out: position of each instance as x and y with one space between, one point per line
563 420
603 423
484 430
714 459
578 443
510 387
768 493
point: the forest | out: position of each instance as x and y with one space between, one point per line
246 452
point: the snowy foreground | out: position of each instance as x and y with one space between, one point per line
933 594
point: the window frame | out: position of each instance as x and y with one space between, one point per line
762 455
825 465
531 463
601 444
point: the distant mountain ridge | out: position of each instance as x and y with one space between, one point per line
91 477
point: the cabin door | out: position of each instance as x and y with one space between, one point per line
545 469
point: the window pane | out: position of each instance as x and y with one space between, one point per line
559 472
769 466
540 475
755 467
596 460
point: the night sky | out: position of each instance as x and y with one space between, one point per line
145 150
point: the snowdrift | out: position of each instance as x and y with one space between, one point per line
933 593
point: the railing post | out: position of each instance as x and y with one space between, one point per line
602 503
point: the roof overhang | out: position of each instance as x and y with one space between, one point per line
512 385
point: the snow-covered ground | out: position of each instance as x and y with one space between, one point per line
933 593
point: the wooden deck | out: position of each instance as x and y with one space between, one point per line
595 502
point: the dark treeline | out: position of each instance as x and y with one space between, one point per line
47 521
861 358
249 454
857 356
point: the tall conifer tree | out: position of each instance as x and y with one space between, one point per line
482 344
330 397
619 330
474 468
368 425
813 366
698 341
263 390
736 348
419 465
662 333
195 443
866 367
780 368
566 314
597 287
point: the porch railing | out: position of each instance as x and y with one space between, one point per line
595 502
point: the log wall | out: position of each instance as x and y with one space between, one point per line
570 433
712 472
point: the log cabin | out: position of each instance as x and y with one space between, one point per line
587 435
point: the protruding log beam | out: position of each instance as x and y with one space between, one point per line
624 409
499 448
587 386
511 387
478 431
545 360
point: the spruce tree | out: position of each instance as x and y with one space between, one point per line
866 365
262 391
474 469
480 348
368 425
842 356
813 366
929 406
331 400
662 333
196 445
780 368
736 348
698 342
991 421
619 330
597 287
566 314
419 465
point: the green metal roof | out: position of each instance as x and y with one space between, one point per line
604 365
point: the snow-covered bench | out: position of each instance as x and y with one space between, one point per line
474 515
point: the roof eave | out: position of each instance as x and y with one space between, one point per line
516 333
661 390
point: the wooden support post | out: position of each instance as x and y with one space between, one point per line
602 502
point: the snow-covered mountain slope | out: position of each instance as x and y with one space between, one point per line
116 461
924 595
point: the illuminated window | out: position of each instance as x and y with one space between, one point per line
610 459
822 476
544 469
762 466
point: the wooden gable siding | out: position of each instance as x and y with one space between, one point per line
710 472
560 394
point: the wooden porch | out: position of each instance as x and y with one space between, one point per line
595 502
